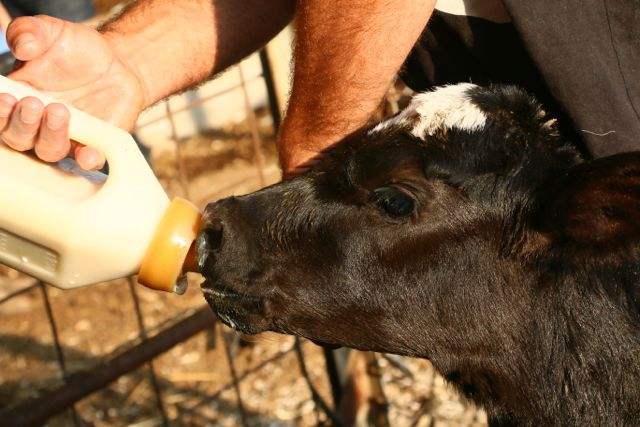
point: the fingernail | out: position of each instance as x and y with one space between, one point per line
29 115
24 40
55 121
91 159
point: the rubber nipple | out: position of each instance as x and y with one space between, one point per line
171 252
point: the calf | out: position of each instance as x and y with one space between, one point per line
465 230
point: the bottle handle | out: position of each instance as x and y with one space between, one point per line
116 144
130 186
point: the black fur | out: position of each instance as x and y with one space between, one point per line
516 274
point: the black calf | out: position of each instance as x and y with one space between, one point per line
465 231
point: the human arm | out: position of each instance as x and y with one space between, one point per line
173 45
346 56
155 48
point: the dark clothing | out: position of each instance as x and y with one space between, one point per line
71 10
581 58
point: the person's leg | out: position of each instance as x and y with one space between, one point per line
13 8
587 52
71 10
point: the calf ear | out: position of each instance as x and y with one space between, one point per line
594 203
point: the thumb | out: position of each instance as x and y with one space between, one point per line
31 37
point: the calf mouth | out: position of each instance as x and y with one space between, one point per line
240 311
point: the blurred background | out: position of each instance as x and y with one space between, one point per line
117 354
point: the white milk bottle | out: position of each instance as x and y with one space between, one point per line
75 229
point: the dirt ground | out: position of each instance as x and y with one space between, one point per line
194 377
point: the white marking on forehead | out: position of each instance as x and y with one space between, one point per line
445 107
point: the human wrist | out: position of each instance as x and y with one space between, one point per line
299 149
147 54
124 49
295 160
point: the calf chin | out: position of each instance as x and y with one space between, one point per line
245 313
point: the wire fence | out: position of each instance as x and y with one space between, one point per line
333 406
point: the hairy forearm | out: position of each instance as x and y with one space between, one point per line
347 54
175 44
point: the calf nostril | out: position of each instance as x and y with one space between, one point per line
208 242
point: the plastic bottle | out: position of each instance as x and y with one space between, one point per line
75 229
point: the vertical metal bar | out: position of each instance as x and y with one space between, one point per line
253 125
143 334
234 377
379 405
56 343
336 365
182 169
303 371
274 105
314 393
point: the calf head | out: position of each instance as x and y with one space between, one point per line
459 230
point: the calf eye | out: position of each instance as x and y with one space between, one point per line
394 201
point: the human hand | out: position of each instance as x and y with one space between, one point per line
75 64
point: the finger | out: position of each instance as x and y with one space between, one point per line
28 37
23 126
89 158
53 142
7 104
